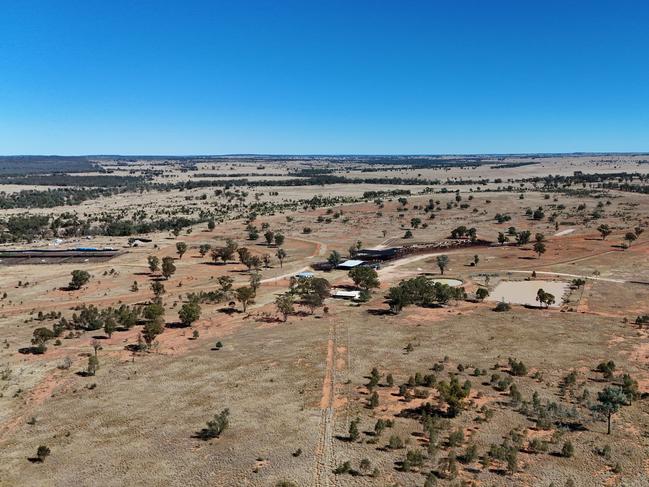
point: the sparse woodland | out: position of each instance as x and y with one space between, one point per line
504 342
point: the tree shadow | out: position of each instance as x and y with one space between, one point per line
379 312
176 324
343 438
347 287
30 350
228 311
572 425
205 435
269 319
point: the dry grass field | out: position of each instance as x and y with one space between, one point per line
302 396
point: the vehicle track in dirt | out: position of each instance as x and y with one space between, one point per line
324 458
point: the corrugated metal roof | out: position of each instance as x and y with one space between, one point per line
346 294
351 263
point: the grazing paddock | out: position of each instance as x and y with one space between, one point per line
323 391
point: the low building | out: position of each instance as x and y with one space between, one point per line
343 294
378 254
350 264
304 275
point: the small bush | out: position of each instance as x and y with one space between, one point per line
42 453
395 443
568 450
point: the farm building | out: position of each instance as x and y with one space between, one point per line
343 294
378 254
350 264
304 275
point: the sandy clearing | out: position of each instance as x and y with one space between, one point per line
564 232
524 292
388 273
288 275
320 247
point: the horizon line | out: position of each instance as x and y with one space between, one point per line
263 154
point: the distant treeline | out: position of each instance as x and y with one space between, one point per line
51 198
28 227
631 188
405 160
388 193
513 164
100 181
126 228
23 227
234 175
20 165
321 180
121 184
583 178
311 171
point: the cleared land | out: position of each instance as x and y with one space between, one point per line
527 416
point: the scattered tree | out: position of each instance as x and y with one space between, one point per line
204 249
152 329
281 255
225 283
364 277
335 258
216 426
453 394
154 263
189 313
93 365
611 399
42 452
630 237
168 267
442 263
539 248
482 293
79 279
181 248
604 231
245 295
544 298
158 289
284 305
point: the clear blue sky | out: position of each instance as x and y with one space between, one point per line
369 77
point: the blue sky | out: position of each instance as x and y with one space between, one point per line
323 77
